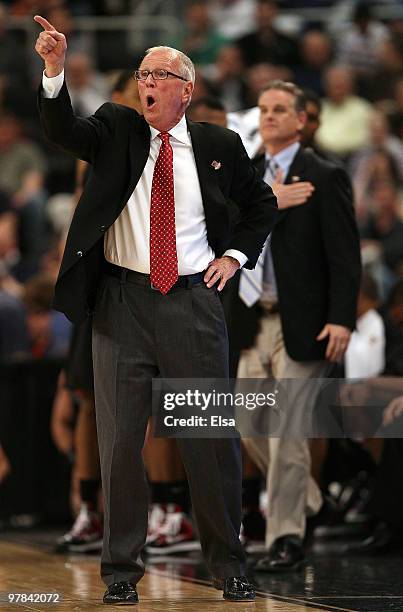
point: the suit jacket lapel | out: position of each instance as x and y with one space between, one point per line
260 163
139 151
203 149
295 173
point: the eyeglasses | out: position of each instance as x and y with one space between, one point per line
158 74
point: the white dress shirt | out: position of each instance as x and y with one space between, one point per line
127 241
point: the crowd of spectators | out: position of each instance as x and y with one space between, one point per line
355 79
237 47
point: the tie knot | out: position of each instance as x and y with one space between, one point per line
272 165
164 137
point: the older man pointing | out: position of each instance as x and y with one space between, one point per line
149 249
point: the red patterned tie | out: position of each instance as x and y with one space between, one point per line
163 257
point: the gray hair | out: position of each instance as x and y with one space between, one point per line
186 66
290 88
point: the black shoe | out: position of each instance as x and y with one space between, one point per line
121 594
327 516
236 588
381 541
285 554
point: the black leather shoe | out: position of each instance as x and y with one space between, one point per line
382 540
236 588
121 594
286 554
328 515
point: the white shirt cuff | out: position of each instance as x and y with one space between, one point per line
52 85
237 255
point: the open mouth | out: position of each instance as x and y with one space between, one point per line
150 100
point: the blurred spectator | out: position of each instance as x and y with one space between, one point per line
13 61
313 108
360 44
233 18
116 49
8 234
380 140
203 88
60 16
365 355
87 88
208 109
393 320
384 225
246 122
199 40
381 168
345 117
266 43
260 75
12 269
22 174
382 159
13 332
14 74
49 331
50 263
396 114
382 85
126 91
228 78
315 55
18 156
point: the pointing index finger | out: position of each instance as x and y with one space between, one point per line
44 23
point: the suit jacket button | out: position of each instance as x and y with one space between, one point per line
79 253
102 228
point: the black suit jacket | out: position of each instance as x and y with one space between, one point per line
316 259
116 141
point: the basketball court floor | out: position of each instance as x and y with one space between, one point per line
330 581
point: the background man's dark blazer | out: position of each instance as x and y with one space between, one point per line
316 258
116 141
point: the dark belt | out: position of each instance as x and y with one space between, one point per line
138 278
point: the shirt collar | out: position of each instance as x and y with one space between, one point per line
285 157
179 131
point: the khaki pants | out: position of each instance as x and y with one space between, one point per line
292 492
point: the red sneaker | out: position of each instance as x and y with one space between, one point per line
175 535
84 536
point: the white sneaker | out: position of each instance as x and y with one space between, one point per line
156 518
